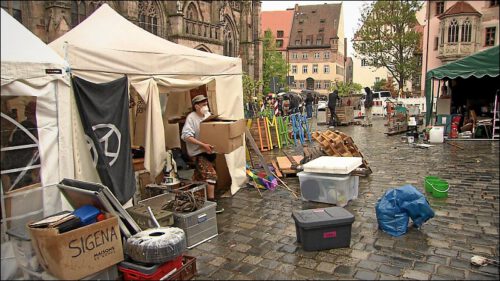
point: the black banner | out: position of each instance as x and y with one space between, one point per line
104 112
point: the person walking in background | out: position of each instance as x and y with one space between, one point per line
368 107
309 104
332 103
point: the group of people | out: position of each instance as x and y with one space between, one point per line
333 99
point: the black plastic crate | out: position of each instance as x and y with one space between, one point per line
322 229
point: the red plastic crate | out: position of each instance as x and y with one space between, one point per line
187 271
164 269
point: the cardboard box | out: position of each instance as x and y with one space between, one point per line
224 135
80 252
223 177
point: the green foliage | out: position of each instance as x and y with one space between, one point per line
273 63
250 88
346 89
379 85
387 37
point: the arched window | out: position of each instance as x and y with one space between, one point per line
148 16
466 31
78 12
453 31
191 12
229 40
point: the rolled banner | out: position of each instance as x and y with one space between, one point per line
156 245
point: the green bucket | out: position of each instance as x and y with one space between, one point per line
439 188
429 180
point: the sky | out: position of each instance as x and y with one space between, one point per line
352 12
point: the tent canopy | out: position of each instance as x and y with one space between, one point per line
480 64
108 42
25 56
106 46
15 41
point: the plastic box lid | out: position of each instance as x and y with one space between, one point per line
322 217
333 165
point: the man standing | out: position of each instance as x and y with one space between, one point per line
309 104
200 151
368 106
332 103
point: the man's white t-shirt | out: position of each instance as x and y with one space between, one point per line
192 129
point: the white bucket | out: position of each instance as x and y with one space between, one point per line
436 134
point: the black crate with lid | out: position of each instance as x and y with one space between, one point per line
322 229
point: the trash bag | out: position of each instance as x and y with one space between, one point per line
397 205
415 204
390 217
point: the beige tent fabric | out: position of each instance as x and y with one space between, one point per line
154 158
106 46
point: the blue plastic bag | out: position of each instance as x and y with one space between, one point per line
391 219
397 205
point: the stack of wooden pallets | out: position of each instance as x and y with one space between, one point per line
340 145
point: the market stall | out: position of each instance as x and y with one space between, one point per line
473 82
107 46
36 136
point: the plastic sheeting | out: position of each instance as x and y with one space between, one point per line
397 205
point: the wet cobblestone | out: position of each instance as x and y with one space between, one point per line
257 234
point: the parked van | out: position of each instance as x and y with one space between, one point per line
380 99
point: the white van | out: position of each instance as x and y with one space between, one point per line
380 99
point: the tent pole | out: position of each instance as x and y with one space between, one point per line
432 101
439 88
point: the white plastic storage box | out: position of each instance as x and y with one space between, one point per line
333 165
199 226
326 188
322 229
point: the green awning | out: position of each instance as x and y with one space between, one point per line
480 64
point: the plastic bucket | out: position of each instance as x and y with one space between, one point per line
430 180
440 189
437 187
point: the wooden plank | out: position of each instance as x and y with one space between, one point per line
284 163
298 158
276 169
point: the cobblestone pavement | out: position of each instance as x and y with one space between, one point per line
257 235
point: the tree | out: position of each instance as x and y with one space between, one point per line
250 88
273 63
346 89
379 85
387 37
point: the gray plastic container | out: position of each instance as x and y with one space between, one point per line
322 229
199 226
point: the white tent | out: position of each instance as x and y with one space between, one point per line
31 71
107 46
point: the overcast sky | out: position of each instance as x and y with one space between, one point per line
352 11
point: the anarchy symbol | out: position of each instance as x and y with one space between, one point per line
93 150
112 130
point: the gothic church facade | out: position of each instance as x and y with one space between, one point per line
229 28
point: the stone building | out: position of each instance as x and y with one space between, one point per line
456 29
229 28
316 48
